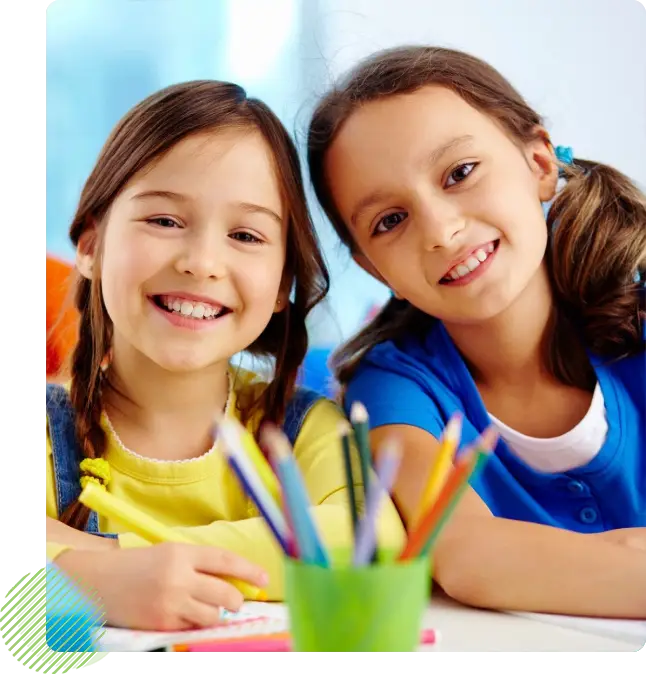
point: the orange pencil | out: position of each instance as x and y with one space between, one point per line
438 514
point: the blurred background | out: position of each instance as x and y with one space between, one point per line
581 63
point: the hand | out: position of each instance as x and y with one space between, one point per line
57 532
169 586
634 537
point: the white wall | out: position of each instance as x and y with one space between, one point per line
580 63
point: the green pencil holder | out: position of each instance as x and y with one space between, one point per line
378 607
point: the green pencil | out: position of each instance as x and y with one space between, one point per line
344 432
359 420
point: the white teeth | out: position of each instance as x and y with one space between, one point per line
471 263
192 309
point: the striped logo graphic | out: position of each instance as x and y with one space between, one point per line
50 626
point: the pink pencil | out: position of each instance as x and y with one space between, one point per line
271 643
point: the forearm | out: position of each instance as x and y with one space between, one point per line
252 539
508 565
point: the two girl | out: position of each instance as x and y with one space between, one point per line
437 174
194 244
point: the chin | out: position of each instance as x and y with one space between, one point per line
185 363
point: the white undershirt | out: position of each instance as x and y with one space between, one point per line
573 449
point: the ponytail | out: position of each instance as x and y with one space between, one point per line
85 392
597 228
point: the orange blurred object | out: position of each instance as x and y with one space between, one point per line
62 317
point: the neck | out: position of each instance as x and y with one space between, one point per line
144 393
508 349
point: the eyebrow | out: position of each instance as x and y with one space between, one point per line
176 196
159 194
381 195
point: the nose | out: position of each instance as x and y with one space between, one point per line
203 254
441 224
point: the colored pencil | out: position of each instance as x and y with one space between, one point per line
296 498
344 431
442 466
279 641
424 535
110 506
388 460
244 470
257 458
359 420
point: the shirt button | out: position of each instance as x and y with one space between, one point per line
575 487
588 515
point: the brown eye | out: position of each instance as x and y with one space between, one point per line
389 222
460 173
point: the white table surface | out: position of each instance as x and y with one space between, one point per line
460 628
463 628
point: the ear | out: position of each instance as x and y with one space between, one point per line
542 161
282 300
86 251
367 266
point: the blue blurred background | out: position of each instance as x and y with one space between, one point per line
576 62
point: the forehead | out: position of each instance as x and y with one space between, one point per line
235 164
400 126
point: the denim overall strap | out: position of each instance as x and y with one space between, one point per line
297 409
65 452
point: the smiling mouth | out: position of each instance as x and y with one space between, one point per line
470 264
200 311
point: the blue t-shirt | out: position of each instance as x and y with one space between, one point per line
421 381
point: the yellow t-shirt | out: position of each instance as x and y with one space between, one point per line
202 497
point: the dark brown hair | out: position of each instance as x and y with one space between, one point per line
597 247
146 132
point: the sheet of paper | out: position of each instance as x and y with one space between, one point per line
253 618
631 631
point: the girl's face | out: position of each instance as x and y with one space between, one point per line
194 251
442 205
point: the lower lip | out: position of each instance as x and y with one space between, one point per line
186 322
476 273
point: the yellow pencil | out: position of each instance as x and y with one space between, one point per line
442 467
142 524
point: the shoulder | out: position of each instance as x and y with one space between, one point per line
404 382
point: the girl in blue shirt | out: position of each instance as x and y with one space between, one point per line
438 177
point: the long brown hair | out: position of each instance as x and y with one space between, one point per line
146 132
596 248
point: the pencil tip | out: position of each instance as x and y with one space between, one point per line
358 413
488 439
344 428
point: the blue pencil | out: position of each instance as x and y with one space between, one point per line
251 483
387 464
296 498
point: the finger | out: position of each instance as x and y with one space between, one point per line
225 563
198 614
216 592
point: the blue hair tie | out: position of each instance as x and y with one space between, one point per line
565 155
